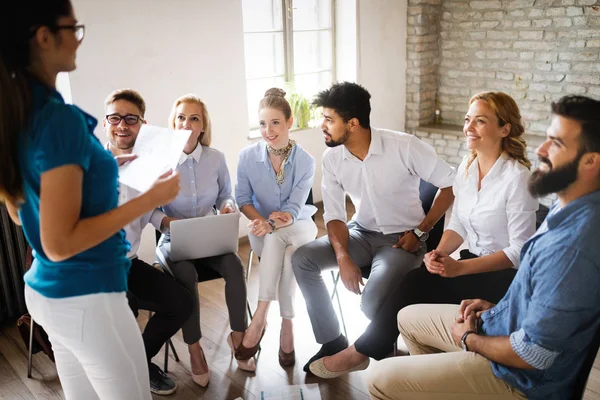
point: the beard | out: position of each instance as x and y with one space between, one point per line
555 179
340 141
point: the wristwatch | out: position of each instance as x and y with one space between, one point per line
463 340
422 236
272 223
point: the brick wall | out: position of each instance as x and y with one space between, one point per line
451 144
535 50
423 58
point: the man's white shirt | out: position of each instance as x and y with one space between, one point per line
133 230
384 187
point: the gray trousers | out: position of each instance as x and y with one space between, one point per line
367 249
230 267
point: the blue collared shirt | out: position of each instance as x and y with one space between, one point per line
205 182
552 309
256 184
60 135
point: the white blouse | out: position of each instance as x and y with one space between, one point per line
500 216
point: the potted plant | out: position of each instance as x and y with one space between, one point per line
302 110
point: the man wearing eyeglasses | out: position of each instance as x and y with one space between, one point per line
160 293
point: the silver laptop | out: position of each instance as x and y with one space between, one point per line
202 237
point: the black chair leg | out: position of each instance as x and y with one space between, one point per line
175 355
166 364
168 344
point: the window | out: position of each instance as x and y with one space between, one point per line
287 41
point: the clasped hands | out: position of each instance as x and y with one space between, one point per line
440 263
468 316
260 227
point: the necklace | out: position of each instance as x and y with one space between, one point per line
279 176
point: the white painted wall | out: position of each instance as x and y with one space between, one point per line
346 49
165 49
382 59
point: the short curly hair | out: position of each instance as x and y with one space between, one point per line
349 100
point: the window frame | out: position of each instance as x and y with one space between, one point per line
287 30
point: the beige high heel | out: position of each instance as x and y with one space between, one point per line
245 365
202 379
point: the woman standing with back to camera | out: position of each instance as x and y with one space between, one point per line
61 185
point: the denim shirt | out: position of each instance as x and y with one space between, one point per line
256 184
552 309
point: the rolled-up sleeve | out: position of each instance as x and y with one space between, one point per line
302 186
533 354
558 312
334 196
425 163
520 216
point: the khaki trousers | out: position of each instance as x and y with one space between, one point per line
437 369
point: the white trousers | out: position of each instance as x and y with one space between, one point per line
97 345
276 276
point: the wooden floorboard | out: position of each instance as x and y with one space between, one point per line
227 381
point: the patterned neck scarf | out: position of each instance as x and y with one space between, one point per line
287 150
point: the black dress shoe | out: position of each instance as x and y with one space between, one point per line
328 349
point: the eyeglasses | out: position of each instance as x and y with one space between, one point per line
130 119
78 29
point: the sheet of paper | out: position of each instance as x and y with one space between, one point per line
157 150
293 392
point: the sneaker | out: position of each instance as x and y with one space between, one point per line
328 349
160 383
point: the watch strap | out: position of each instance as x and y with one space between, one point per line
272 223
463 340
421 235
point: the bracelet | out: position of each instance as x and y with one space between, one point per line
272 223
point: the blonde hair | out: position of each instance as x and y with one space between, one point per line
206 135
507 112
275 98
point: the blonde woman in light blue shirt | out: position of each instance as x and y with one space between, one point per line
274 179
205 187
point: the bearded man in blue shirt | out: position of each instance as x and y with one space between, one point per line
532 344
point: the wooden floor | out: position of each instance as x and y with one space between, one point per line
227 382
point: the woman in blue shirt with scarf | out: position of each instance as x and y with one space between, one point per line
274 180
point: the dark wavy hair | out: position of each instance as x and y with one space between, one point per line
349 100
19 21
586 111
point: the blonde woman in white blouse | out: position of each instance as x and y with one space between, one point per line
493 211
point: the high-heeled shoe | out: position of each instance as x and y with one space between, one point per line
245 365
202 379
245 353
286 359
